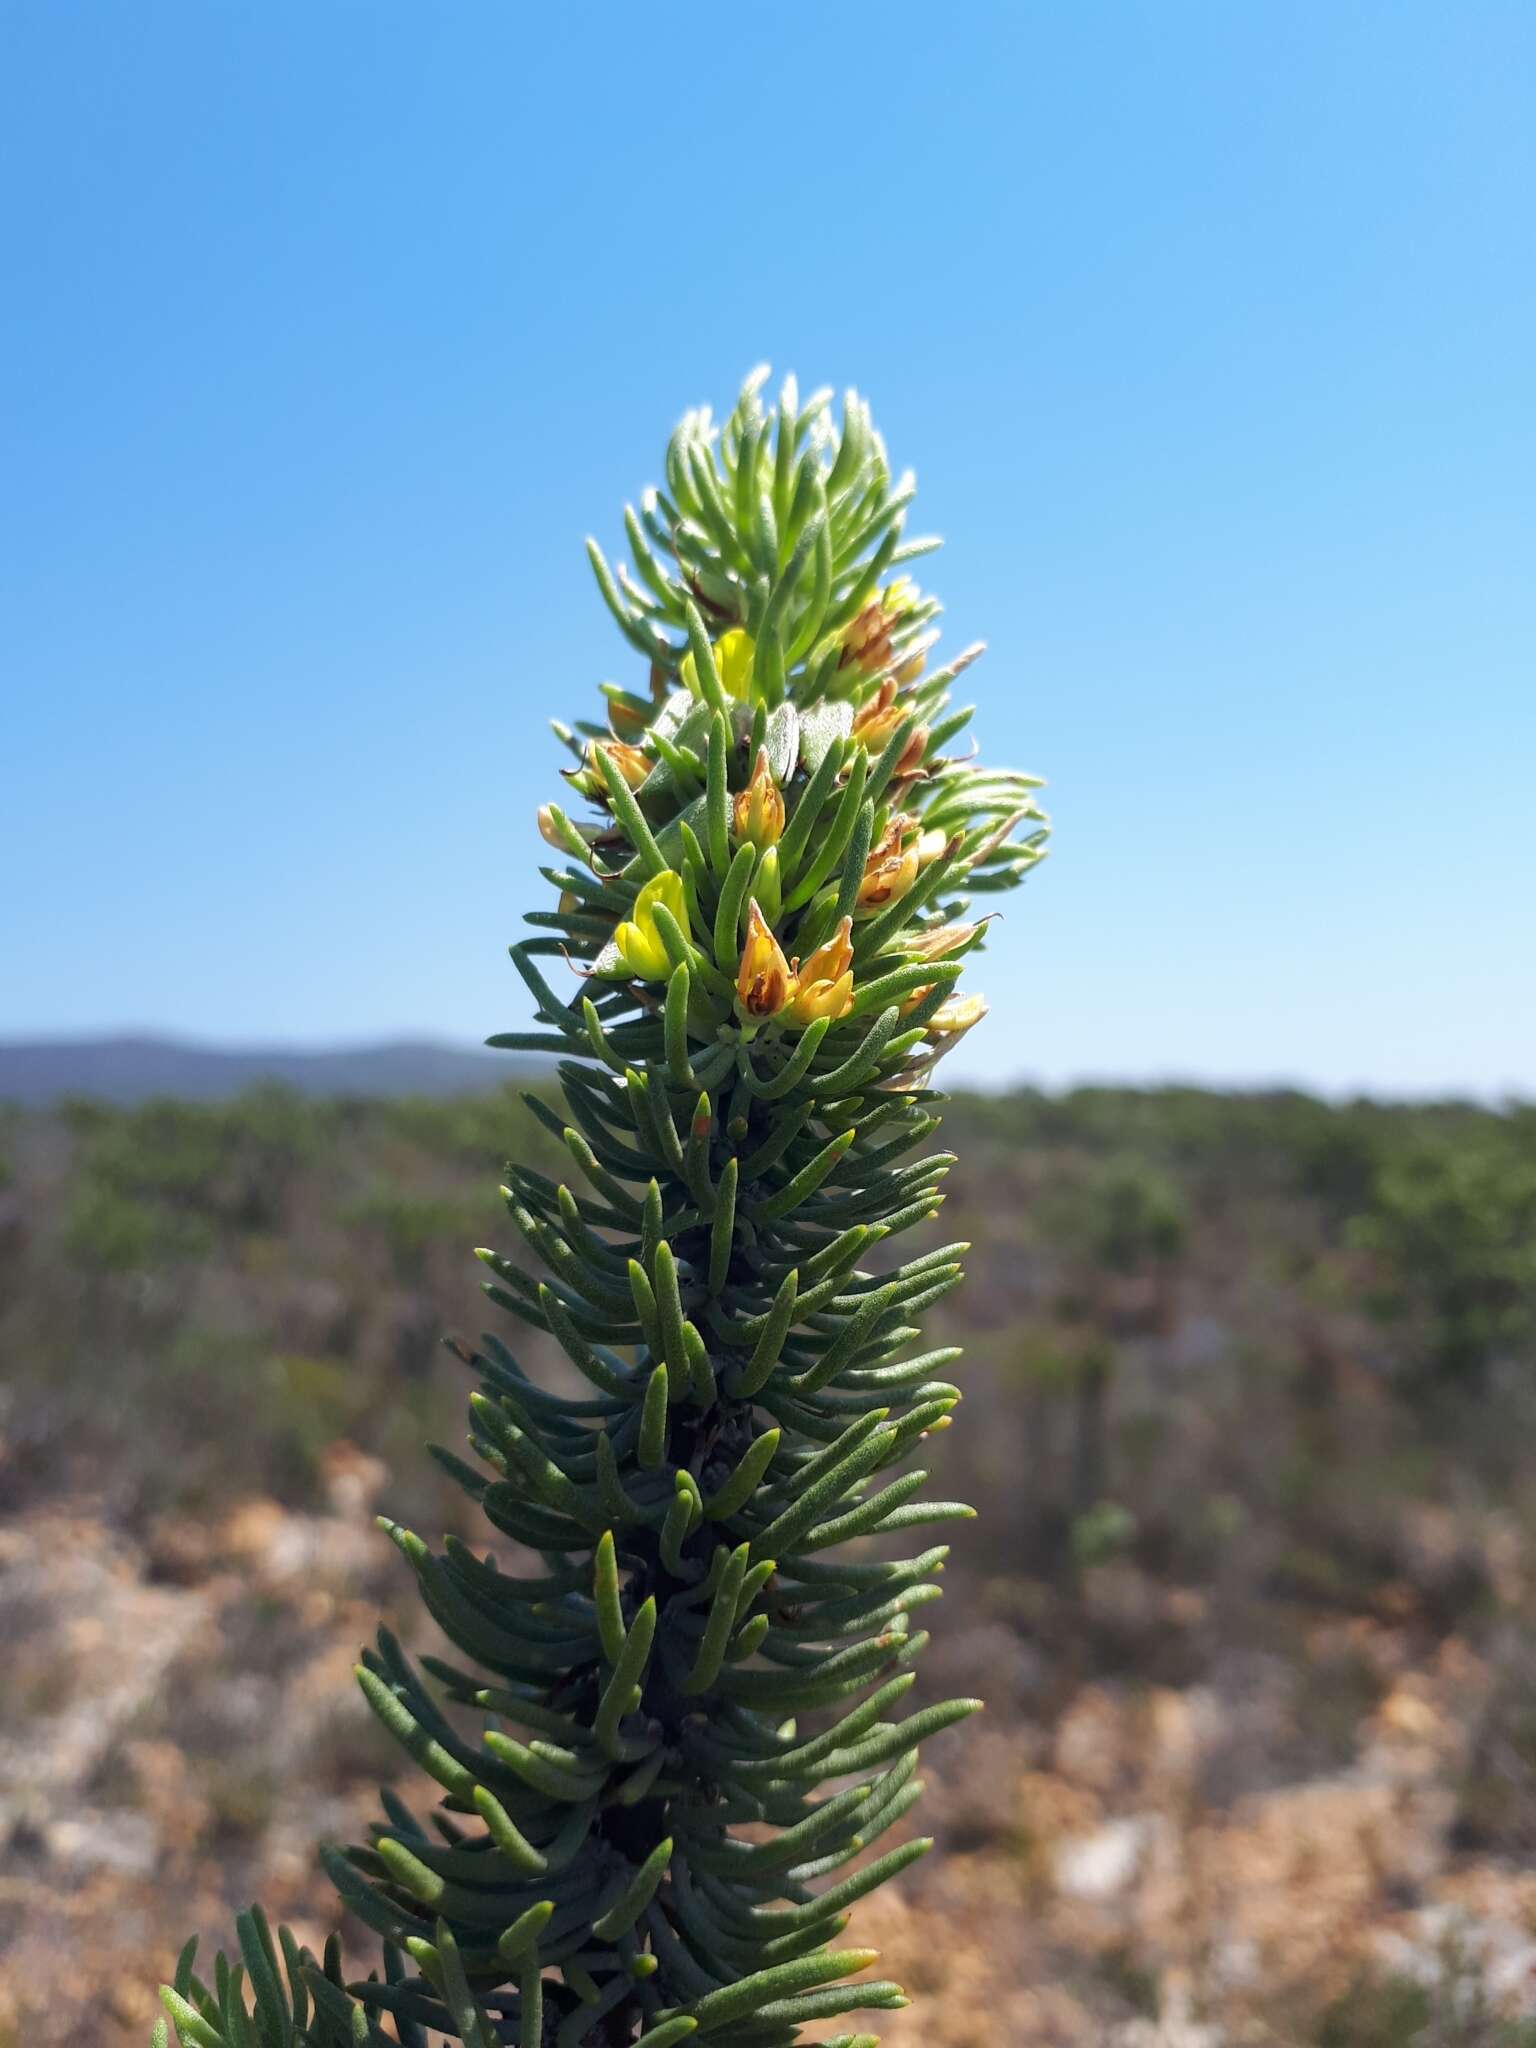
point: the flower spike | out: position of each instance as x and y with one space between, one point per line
762 887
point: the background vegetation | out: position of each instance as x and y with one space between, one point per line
1250 1383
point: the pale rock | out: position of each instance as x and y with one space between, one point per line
1104 1864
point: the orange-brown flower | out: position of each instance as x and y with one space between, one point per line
883 715
867 642
764 982
633 765
892 866
758 812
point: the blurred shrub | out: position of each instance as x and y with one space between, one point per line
1451 2010
410 1227
1137 1217
108 1232
1104 1532
313 1402
1452 1225
1494 1809
156 1182
479 1131
1166 1307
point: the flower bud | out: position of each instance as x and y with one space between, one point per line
953 1018
758 812
768 885
628 718
936 944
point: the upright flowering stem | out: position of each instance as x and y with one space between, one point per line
765 911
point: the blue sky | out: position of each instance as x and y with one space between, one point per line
332 328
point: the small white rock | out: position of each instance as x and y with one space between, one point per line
1102 1865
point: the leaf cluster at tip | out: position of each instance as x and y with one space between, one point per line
671 1747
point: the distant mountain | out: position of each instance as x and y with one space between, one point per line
128 1070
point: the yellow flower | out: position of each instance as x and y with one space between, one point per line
733 664
759 808
764 983
639 942
824 985
733 658
832 959
892 866
878 717
815 999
